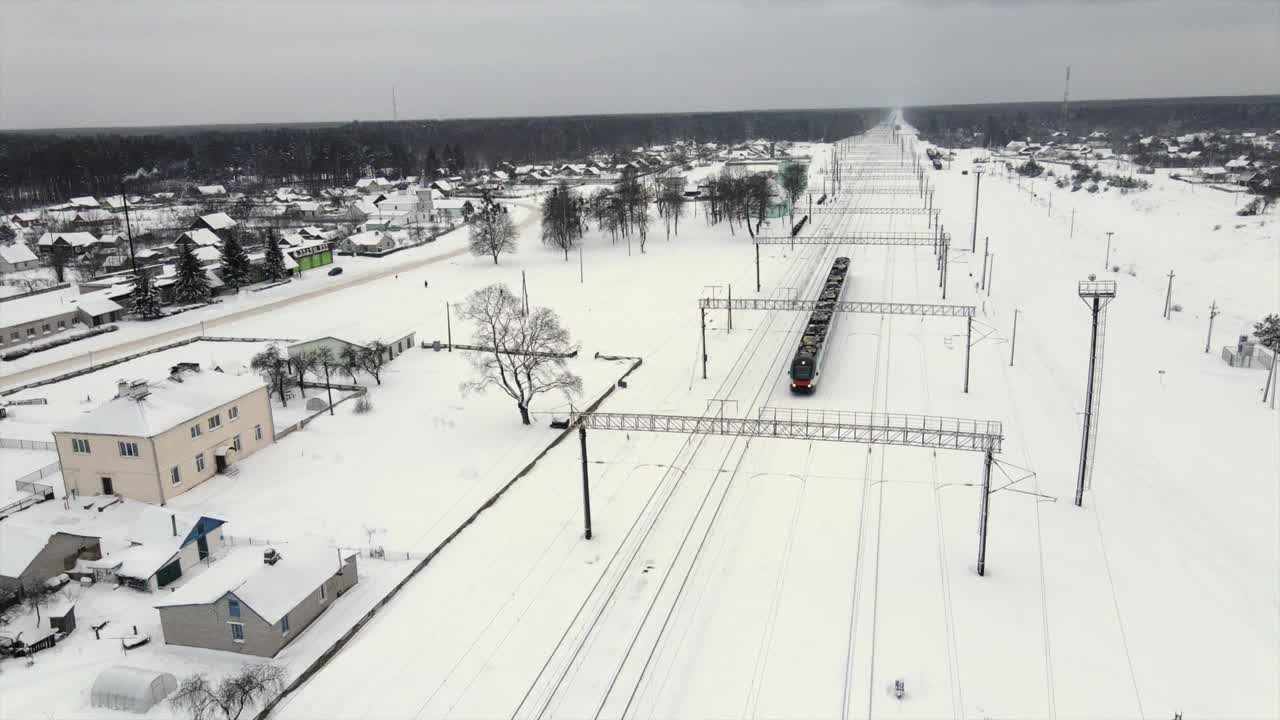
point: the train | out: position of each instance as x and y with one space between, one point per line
806 366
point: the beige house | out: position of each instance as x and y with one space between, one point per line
39 314
155 441
254 601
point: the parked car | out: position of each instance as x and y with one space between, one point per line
335 271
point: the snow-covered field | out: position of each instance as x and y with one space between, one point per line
735 577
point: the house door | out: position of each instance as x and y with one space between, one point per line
107 488
220 461
202 546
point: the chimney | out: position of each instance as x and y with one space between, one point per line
270 556
139 389
122 388
173 519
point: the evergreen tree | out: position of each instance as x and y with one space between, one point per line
146 301
235 263
433 162
192 285
274 260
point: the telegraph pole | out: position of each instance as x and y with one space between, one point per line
703 313
1168 297
128 228
1213 313
968 343
448 325
1106 263
1013 342
1073 222
757 267
586 487
986 253
730 308
982 517
977 190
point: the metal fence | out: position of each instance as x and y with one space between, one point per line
27 444
52 468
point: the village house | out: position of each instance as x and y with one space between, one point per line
155 441
208 191
255 602
368 242
394 342
25 219
17 257
75 242
40 314
84 203
214 221
31 556
453 208
374 185
202 237
126 542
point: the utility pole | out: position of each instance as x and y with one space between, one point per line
128 228
968 343
1213 313
580 275
982 516
757 267
977 190
986 253
990 273
1013 342
703 316
1073 222
448 325
586 485
1106 263
1168 298
524 290
730 308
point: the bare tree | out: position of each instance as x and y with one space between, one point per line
493 233
303 364
524 353
274 366
671 207
327 363
350 362
373 357
253 685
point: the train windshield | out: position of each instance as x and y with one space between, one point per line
802 370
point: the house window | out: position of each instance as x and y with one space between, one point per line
237 632
323 593
128 449
62 324
80 445
233 608
215 422
233 413
175 475
200 462
257 432
284 625
235 443
195 431
31 331
14 336
45 327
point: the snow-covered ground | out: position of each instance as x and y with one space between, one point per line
729 577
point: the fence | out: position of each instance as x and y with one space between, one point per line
342 641
134 356
372 552
52 468
355 390
27 444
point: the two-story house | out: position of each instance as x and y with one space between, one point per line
154 441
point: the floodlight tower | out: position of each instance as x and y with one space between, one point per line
1097 295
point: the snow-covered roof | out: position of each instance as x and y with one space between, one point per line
139 538
201 236
307 205
16 253
207 253
211 190
26 217
271 591
97 304
169 404
75 239
450 203
48 304
84 202
218 221
443 185
368 239
19 546
261 257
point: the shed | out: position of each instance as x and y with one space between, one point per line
131 689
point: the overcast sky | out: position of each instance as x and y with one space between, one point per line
160 62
